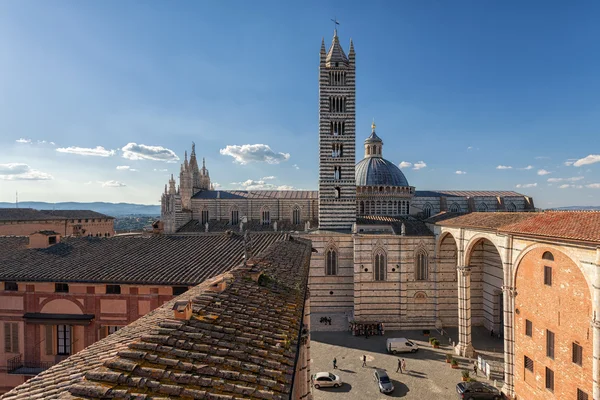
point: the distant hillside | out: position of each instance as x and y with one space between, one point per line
112 209
577 208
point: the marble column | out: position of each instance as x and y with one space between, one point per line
509 340
464 347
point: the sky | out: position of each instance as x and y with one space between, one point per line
99 100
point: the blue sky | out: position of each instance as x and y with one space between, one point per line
462 86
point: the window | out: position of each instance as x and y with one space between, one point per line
548 256
11 286
549 379
235 217
380 266
577 354
528 363
550 344
112 329
528 328
331 262
296 216
61 288
421 267
510 207
79 221
64 339
548 276
113 289
337 173
11 337
482 207
204 216
51 239
427 210
338 193
454 208
265 217
177 290
581 395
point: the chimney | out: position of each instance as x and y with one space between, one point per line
43 239
220 284
182 310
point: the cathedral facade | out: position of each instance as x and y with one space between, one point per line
376 259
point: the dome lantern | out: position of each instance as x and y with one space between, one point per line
373 144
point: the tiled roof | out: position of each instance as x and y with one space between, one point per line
442 216
467 193
25 214
161 260
487 220
254 226
239 343
413 227
573 225
76 214
257 194
12 243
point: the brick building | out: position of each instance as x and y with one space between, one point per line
25 221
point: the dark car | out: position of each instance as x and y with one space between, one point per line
383 381
477 391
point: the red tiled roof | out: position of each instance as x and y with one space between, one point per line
573 225
487 220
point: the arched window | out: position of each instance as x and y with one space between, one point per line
510 207
427 210
548 256
454 208
368 150
235 216
482 207
204 216
421 266
379 266
338 192
331 262
296 215
362 208
265 216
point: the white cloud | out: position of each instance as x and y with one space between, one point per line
528 167
570 162
22 172
160 170
419 165
88 183
98 151
134 151
285 187
542 158
254 152
215 185
526 185
591 159
470 148
252 184
460 172
503 167
112 184
573 179
296 166
405 164
268 178
593 186
543 172
22 140
566 185
126 168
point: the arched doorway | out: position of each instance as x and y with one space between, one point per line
447 259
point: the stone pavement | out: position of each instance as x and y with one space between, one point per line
428 375
339 322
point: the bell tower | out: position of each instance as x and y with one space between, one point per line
337 136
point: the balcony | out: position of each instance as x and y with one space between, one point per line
17 366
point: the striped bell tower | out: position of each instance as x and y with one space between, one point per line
337 121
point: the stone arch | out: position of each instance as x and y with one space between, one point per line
421 263
265 215
482 207
60 306
427 210
477 238
380 261
455 207
332 257
420 297
296 214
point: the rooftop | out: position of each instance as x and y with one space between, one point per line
239 343
257 194
76 214
30 214
412 226
467 193
486 220
159 260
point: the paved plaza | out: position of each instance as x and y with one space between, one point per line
428 376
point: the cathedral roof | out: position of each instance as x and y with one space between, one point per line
373 138
336 53
377 171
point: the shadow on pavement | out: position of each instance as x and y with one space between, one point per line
400 389
347 370
416 374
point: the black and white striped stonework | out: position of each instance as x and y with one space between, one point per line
337 137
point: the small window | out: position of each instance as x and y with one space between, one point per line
113 289
296 216
547 256
581 395
549 379
577 354
550 344
204 216
64 339
112 329
422 273
11 286
51 239
177 290
235 217
547 276
79 221
87 220
528 363
338 193
528 328
380 266
331 262
11 337
427 210
265 217
61 288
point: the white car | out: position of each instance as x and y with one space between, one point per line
325 379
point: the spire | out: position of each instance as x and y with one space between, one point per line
336 55
203 163
193 148
185 162
351 47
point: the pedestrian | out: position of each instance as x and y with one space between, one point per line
366 334
329 320
364 360
403 366
399 367
334 363
492 332
475 368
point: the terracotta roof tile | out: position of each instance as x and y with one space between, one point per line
486 220
572 225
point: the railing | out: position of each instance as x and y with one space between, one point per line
16 365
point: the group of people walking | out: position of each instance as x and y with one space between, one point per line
359 329
401 364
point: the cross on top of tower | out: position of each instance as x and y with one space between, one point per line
335 24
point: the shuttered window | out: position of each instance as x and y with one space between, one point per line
549 379
581 395
550 344
49 339
11 337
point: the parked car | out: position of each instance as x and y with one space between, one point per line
401 345
383 381
325 379
477 391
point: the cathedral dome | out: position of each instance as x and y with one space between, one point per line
377 171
